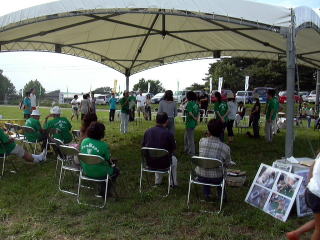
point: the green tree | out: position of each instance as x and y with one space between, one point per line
102 90
142 85
6 87
196 86
40 91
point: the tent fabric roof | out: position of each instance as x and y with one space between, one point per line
132 36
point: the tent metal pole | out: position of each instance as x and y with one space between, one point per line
127 82
291 66
317 91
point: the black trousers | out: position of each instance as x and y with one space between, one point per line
255 127
205 112
111 115
131 114
230 128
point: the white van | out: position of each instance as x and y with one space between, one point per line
178 96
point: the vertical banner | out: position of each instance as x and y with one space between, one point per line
220 84
246 85
148 87
178 86
115 84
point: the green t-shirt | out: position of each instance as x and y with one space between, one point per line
6 146
272 104
192 107
63 125
132 102
100 148
221 108
35 124
124 105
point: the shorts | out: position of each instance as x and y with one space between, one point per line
312 201
18 151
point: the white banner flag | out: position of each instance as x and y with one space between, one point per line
220 84
246 85
148 87
211 85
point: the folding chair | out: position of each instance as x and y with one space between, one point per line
67 164
76 135
18 136
155 160
8 127
51 132
55 144
91 160
4 158
32 145
207 163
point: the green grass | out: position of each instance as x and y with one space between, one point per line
31 207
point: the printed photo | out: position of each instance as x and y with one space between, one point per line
267 176
278 207
305 174
258 196
287 184
282 166
302 208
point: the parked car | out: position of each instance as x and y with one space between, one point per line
244 96
312 97
262 92
102 99
146 94
283 97
178 96
157 98
304 95
224 93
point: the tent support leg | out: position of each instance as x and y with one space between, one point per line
127 83
317 91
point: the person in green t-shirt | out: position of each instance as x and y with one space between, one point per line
92 144
132 106
221 110
192 111
271 113
39 134
60 123
9 147
124 102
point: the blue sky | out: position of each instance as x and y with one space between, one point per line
57 71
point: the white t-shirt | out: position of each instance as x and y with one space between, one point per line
141 100
314 184
232 106
33 99
74 103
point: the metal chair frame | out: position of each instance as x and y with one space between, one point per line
91 159
51 132
158 153
26 130
207 163
67 164
4 158
17 136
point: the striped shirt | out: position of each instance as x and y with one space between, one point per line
212 147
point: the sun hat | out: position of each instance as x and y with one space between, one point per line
55 110
230 95
35 112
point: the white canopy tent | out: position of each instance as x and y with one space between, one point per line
132 36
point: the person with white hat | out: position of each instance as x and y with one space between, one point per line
60 123
231 114
39 134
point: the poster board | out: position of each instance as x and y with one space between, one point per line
282 166
274 191
302 209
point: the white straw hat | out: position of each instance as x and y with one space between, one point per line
55 110
35 112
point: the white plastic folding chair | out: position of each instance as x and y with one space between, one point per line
207 163
155 160
33 145
90 159
66 157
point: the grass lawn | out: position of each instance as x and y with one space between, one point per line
31 207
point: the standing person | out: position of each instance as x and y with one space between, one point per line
27 106
141 101
75 107
221 110
148 108
124 102
92 103
94 145
232 111
312 197
212 147
271 113
33 98
84 105
113 106
192 109
241 111
132 106
204 103
160 137
60 123
255 117
169 106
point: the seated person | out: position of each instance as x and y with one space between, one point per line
92 144
9 147
241 111
39 134
160 137
60 123
87 119
212 147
